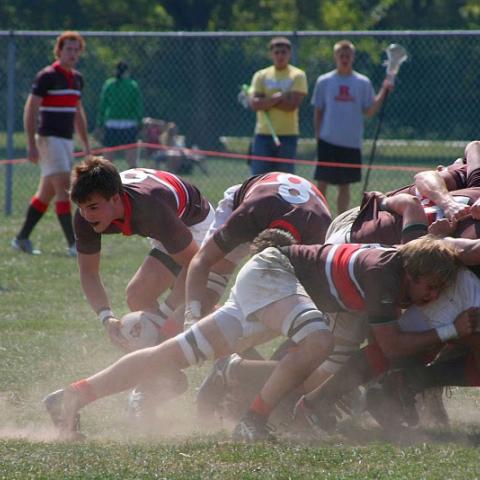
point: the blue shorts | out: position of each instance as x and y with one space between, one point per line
264 146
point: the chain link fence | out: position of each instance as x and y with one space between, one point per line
193 79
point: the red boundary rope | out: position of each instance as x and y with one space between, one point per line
239 156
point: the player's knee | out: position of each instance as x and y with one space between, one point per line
317 346
303 321
195 347
338 357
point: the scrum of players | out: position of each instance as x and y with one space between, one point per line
377 307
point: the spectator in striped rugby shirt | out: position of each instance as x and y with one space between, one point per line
56 96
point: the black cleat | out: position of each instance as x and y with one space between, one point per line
213 388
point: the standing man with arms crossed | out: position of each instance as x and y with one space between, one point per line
341 98
278 91
56 95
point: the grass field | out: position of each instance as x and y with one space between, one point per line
49 337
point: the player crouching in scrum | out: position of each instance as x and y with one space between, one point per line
277 292
258 310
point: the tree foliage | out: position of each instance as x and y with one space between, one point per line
247 15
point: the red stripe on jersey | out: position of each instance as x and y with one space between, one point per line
125 225
60 101
342 280
284 225
321 195
179 188
66 72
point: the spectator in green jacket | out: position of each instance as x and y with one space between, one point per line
120 112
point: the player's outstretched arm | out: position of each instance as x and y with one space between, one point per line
183 258
435 186
209 257
89 266
396 344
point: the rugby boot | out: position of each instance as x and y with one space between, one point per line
322 421
253 428
432 408
214 387
62 411
24 245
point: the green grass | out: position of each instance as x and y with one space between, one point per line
49 337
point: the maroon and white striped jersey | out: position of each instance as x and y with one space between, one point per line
353 277
275 200
60 90
157 204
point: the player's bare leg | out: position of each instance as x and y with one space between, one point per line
166 359
291 370
149 282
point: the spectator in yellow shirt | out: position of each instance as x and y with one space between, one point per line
278 91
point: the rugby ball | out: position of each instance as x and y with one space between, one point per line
140 329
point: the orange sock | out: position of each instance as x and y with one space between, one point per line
259 406
85 390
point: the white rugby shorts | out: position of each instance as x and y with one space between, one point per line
56 155
340 228
222 213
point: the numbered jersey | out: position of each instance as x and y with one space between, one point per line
376 225
275 200
352 277
157 204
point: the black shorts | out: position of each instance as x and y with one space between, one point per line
120 136
326 152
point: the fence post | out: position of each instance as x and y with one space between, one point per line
294 48
10 121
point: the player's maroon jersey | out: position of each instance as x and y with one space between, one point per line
157 204
354 277
275 200
375 225
60 90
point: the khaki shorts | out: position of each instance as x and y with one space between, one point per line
265 279
56 155
341 226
